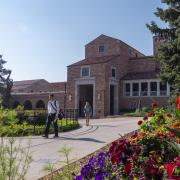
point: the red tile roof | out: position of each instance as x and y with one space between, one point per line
94 60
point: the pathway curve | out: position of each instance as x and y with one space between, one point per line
82 141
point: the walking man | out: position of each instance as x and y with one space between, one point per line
53 111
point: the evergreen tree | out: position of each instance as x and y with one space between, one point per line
5 83
168 53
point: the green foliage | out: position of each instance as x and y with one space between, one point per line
14 160
177 112
8 117
144 109
169 51
26 129
6 83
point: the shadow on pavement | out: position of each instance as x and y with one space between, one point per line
81 139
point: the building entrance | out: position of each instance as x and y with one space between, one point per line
85 94
111 99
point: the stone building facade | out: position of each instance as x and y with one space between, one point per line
113 77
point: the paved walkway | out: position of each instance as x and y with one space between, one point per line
82 141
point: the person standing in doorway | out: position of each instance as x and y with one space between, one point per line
53 111
87 112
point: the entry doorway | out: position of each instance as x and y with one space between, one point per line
111 99
85 94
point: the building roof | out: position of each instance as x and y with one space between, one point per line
141 75
94 60
117 40
139 58
25 83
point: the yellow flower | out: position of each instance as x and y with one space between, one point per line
161 167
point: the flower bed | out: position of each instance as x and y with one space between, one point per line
150 153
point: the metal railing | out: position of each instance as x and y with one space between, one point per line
40 119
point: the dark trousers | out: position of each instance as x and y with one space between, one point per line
51 118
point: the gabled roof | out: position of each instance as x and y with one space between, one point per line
141 75
115 39
94 60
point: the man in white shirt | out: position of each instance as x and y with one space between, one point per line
53 111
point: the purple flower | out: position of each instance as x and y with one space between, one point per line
78 178
92 160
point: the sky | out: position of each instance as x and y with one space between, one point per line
40 38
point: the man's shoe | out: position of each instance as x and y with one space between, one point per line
56 136
45 136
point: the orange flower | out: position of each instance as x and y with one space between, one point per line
176 125
142 134
169 115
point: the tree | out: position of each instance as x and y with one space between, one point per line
168 53
5 83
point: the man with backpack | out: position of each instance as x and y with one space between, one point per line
53 111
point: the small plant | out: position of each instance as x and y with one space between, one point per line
14 160
65 173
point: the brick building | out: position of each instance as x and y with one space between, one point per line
33 94
113 77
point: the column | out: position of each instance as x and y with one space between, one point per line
168 90
139 89
148 88
158 88
131 88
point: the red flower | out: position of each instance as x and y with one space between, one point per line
139 122
127 168
145 118
178 103
154 105
150 114
170 167
171 135
178 106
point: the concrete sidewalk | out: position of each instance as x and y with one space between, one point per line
82 141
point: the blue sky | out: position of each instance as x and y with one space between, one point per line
39 38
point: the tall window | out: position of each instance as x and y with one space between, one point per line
127 89
101 48
135 89
153 89
144 89
163 89
85 72
113 72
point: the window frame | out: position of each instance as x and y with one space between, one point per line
81 73
99 49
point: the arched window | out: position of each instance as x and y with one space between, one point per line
15 104
27 105
40 104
